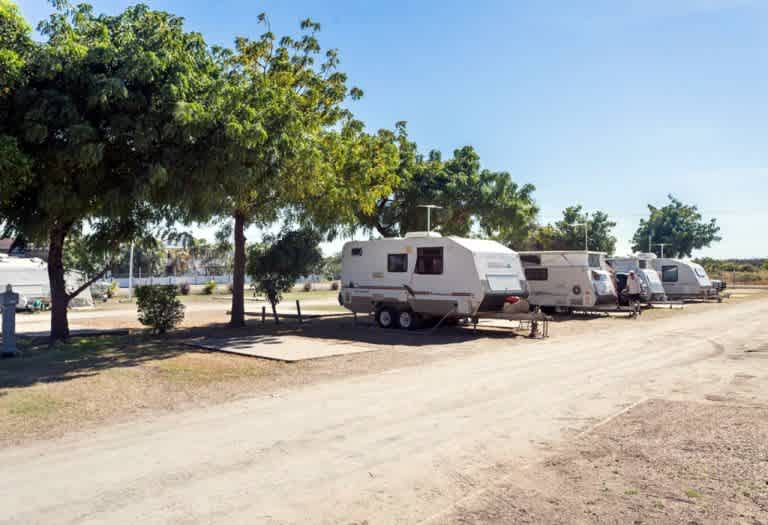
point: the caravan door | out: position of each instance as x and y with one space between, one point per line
430 282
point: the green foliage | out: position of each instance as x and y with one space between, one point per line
104 113
330 267
679 225
275 265
469 196
15 44
566 234
112 290
158 307
209 287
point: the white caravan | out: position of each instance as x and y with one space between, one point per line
642 265
682 279
566 280
425 275
29 278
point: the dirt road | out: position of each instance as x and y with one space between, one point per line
400 446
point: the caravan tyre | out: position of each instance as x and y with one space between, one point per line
407 320
386 318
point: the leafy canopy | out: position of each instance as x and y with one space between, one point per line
469 196
680 226
568 232
277 264
107 107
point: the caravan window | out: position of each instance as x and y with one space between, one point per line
429 261
357 251
669 274
643 264
700 271
531 259
537 274
397 262
594 260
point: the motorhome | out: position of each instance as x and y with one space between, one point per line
653 289
423 275
568 280
682 279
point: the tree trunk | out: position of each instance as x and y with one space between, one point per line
274 313
237 317
59 297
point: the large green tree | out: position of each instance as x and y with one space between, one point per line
568 232
283 141
679 226
103 113
471 198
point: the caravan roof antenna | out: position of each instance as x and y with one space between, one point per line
429 208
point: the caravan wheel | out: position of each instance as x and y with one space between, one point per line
386 318
407 320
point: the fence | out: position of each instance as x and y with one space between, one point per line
122 282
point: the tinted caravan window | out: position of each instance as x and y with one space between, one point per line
397 262
669 274
531 259
594 260
357 251
429 261
537 274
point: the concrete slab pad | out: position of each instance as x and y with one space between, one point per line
283 348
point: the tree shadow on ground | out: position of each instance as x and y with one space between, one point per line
85 356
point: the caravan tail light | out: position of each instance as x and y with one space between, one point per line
512 299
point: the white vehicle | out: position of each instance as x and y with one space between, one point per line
567 280
29 278
642 265
425 275
682 279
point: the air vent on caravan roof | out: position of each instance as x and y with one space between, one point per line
645 255
411 235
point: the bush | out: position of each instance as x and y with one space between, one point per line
112 290
184 288
335 285
307 286
231 288
158 307
209 287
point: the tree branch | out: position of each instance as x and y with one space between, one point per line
87 284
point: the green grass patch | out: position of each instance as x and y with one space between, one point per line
693 493
631 492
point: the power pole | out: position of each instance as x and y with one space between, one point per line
429 208
130 273
662 245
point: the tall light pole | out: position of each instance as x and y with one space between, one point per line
130 273
585 224
662 245
429 208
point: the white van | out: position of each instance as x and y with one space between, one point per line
566 280
424 275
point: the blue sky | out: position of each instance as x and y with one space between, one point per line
610 104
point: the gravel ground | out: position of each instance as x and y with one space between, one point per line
661 462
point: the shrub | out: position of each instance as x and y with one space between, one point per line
209 287
231 288
184 288
335 285
158 307
112 290
307 286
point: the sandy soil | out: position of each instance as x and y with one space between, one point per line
661 462
403 443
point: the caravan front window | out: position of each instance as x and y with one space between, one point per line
594 260
669 274
429 261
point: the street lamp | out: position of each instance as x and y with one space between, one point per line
585 224
429 208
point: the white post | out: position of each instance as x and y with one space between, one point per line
650 237
429 220
130 273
